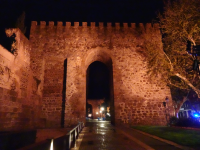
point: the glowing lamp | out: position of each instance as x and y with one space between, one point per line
102 108
51 146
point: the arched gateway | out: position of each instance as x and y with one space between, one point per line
135 99
102 55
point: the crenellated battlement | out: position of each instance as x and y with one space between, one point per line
116 25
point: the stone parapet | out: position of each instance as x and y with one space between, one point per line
143 26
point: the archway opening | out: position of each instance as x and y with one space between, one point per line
99 91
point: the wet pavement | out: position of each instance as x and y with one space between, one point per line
101 135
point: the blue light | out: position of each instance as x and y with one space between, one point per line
196 115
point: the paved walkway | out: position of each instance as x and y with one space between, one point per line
101 135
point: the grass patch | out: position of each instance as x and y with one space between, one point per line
180 136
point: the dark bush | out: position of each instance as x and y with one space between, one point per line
188 122
173 120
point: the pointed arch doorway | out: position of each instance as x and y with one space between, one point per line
99 85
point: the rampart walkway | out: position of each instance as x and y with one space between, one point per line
103 136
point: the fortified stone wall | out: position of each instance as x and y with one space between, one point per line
19 99
136 99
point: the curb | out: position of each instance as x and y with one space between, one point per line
188 128
163 140
147 147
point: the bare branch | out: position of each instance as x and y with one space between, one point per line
189 83
172 68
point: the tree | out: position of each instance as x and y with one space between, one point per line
179 24
179 97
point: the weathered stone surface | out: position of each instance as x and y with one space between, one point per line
134 99
32 82
19 105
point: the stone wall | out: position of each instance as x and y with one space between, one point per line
135 99
19 98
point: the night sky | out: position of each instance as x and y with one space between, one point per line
80 10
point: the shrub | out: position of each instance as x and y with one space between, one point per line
188 122
173 120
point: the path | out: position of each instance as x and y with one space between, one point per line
101 135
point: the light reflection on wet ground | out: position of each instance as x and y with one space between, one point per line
103 136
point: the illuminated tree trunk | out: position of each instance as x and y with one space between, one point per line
197 91
179 106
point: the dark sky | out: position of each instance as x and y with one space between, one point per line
98 81
81 10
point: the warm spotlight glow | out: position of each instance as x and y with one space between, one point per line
89 115
102 108
51 147
102 125
100 111
97 113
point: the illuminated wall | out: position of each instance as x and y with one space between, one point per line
136 100
20 97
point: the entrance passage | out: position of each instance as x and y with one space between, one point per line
98 91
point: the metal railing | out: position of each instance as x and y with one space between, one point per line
60 143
